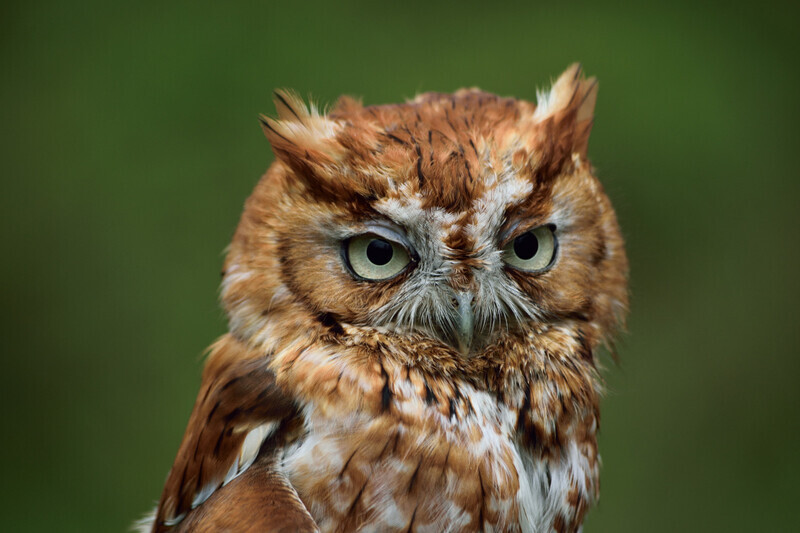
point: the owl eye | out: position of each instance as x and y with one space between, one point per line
532 251
375 258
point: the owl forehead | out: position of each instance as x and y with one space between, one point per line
449 149
449 166
472 229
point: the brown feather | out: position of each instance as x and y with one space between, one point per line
290 106
238 393
260 500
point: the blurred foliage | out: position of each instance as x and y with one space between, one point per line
129 142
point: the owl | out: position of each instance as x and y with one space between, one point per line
415 295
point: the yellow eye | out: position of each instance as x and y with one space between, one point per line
372 257
532 251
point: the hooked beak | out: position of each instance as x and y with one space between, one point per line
465 325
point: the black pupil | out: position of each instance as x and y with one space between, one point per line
526 245
379 252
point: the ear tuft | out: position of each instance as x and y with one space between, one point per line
290 106
587 95
568 107
299 129
272 129
570 91
304 140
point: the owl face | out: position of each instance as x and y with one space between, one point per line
463 219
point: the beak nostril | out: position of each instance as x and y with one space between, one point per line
454 301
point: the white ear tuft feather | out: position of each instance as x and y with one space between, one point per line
570 86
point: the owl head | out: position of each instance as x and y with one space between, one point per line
456 220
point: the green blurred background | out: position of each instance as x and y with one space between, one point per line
129 143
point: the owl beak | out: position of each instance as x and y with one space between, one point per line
465 327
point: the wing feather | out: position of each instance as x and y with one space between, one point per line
236 423
259 500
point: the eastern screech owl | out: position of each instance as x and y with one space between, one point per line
415 294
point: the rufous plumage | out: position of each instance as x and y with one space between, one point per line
415 294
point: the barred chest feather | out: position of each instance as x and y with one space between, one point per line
402 451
